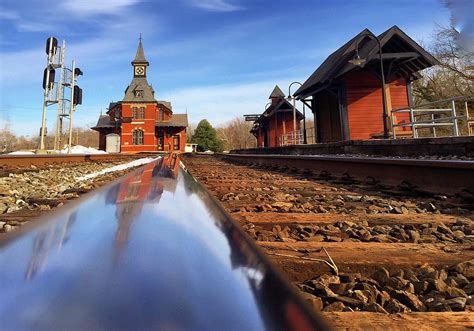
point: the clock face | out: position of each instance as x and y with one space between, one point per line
139 70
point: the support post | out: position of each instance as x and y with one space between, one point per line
294 121
57 136
455 120
45 101
305 141
71 108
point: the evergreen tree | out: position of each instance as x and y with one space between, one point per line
205 137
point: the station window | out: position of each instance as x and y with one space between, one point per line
142 112
176 140
134 112
137 138
161 142
161 115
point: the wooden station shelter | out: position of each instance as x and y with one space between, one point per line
275 126
346 98
139 122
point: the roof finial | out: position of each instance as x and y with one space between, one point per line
140 39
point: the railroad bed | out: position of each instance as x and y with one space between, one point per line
31 186
394 251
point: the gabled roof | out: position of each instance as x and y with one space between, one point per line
140 55
147 93
277 93
167 104
176 120
103 123
408 57
282 106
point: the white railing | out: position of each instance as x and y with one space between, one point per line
291 138
433 117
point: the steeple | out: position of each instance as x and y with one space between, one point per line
140 56
139 90
277 93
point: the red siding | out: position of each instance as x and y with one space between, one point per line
260 137
399 99
364 103
284 124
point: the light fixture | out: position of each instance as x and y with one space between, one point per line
357 60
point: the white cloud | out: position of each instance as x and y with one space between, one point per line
34 26
216 5
91 7
6 14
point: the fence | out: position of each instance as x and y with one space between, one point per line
431 116
291 138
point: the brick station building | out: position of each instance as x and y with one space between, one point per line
275 126
139 122
346 99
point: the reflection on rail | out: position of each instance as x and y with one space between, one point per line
150 251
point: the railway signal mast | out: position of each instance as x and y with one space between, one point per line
54 93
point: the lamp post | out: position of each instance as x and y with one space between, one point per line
358 61
294 109
265 136
305 141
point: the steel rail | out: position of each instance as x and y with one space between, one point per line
436 176
152 250
16 161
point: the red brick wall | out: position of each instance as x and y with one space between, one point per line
146 124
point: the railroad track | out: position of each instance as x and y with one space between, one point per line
396 248
410 174
11 162
150 251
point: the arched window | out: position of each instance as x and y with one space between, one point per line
137 138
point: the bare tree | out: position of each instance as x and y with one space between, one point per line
190 131
455 74
8 139
236 134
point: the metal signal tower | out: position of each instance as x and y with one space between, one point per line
50 88
56 93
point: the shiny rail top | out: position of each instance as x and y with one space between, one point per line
150 251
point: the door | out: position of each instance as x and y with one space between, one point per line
112 143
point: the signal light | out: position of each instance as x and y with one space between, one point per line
51 45
77 95
77 72
52 73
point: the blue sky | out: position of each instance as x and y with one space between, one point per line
216 58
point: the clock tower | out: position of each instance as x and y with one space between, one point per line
139 122
140 64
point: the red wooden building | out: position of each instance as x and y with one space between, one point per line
139 122
346 99
275 126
